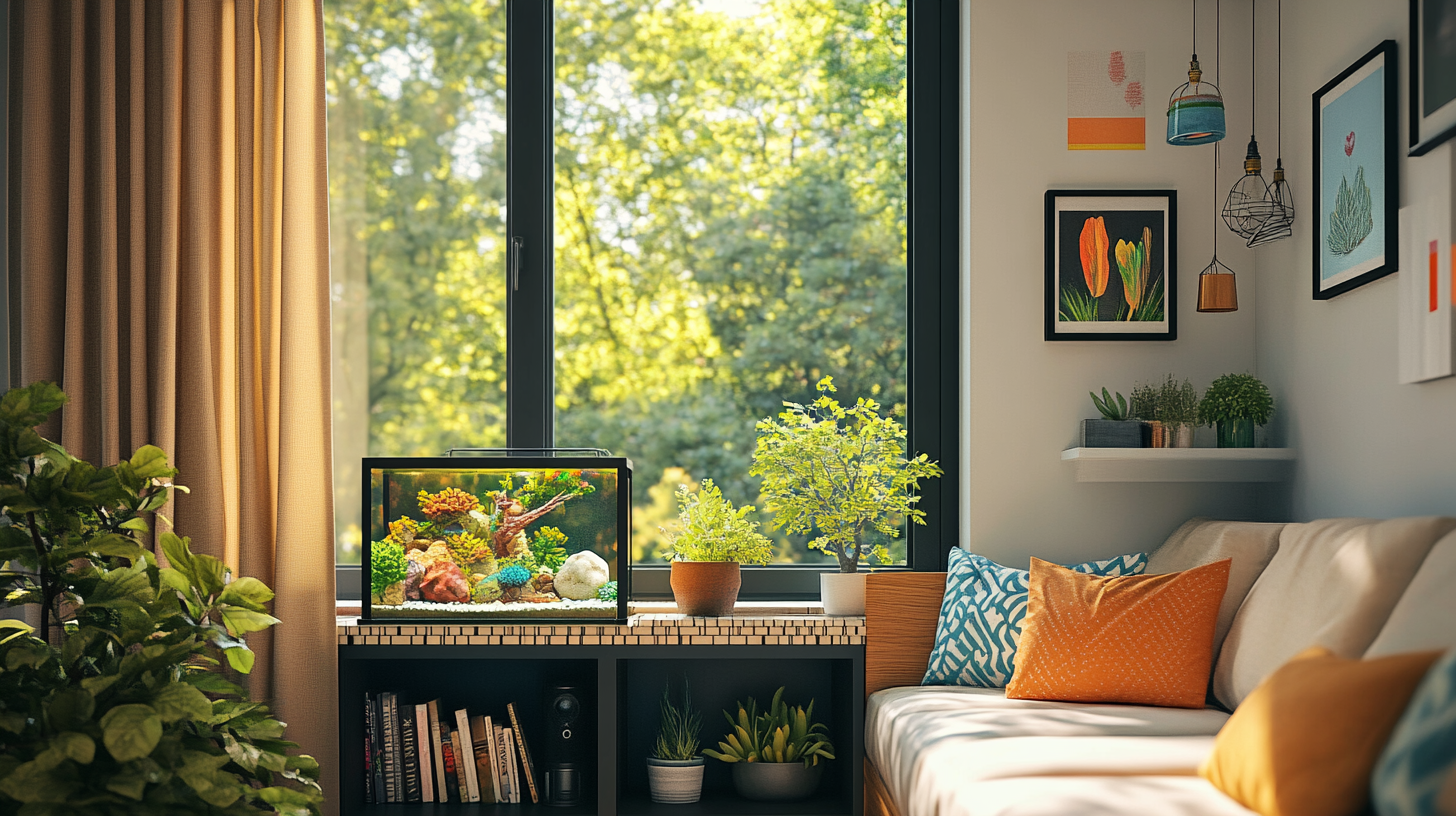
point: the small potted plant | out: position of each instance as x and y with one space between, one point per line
777 756
711 541
1177 411
844 481
1235 403
1115 429
675 769
1146 406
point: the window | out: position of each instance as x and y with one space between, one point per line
713 203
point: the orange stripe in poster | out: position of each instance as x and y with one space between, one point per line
1106 133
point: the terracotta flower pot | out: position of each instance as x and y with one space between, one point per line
705 588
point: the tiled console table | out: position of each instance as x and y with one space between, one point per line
624 668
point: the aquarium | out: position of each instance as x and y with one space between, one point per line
496 538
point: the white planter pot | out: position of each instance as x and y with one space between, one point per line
843 593
675 782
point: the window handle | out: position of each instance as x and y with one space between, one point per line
518 251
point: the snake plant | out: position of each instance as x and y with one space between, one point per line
781 734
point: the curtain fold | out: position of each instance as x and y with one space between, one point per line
169 268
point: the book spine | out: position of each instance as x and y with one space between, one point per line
398 747
410 753
391 793
460 764
439 747
376 715
427 770
368 749
467 754
502 764
452 789
526 768
482 758
515 775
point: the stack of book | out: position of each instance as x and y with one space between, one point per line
420 753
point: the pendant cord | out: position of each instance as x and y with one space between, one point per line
1195 29
1253 69
1279 91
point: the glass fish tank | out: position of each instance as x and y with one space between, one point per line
498 538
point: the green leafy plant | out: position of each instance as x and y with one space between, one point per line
1115 411
114 705
1077 307
1144 403
1177 402
677 732
1236 396
781 734
841 480
1351 221
710 529
548 548
387 566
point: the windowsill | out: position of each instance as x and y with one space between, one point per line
350 610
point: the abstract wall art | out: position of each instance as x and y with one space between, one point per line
1111 265
1105 100
1356 182
1432 74
1427 296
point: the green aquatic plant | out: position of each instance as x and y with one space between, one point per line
548 549
1351 221
387 565
607 592
1236 396
678 728
487 590
403 531
710 529
781 734
467 549
1116 412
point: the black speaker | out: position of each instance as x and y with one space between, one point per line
570 746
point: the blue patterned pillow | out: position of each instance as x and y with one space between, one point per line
980 618
1421 753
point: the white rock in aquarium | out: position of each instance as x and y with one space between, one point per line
581 575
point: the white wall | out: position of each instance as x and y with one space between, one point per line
1023 397
1367 446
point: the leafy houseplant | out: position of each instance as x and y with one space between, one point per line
1236 403
1115 429
114 705
675 769
712 539
1178 411
776 755
841 472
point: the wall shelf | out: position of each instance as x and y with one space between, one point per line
1181 464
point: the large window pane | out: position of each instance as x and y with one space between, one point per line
417 185
730 227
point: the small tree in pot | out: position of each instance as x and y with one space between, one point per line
1236 403
711 541
841 472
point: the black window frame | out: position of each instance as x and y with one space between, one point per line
933 425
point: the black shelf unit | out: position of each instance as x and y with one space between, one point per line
628 682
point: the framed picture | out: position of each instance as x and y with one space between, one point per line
1432 73
1356 181
1111 264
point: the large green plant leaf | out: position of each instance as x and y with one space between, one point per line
180 701
131 731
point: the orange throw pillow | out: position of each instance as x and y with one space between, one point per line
1307 738
1144 639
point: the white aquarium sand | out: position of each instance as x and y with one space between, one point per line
544 612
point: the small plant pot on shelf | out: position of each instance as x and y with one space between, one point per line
776 781
1236 433
1180 436
675 781
1112 433
842 593
705 588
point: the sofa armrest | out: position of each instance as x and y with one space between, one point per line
901 612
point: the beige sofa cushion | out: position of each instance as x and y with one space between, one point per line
1092 796
1202 541
1425 616
1332 583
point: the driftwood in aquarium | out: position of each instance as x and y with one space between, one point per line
514 519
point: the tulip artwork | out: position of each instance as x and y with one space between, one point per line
1089 237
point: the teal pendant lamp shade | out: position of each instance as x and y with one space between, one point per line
1195 110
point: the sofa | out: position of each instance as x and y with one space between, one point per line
1359 587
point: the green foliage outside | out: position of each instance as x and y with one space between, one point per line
710 529
781 734
678 728
115 705
841 472
730 211
1236 396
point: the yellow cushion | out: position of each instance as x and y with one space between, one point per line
1306 739
1142 639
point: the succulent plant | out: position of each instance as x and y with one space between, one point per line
781 734
677 734
387 565
608 592
513 577
1116 411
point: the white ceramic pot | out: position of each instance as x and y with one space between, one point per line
675 781
843 593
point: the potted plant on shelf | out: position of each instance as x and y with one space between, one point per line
675 769
777 756
1116 428
1235 403
1177 411
115 703
711 541
844 481
1146 407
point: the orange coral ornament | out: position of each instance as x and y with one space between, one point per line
447 505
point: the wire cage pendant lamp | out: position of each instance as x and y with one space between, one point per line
1195 108
1279 222
1247 207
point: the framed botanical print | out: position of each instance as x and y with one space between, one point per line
1111 265
1356 187
1432 73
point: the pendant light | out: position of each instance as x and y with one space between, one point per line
1217 287
1280 198
1247 207
1195 109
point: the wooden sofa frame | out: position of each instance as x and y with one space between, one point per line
901 612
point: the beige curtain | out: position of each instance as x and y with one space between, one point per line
169 268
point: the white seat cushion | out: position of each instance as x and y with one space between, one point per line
1249 544
928 741
1091 796
1425 616
1332 583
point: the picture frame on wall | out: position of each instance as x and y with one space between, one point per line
1356 180
1432 74
1111 265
